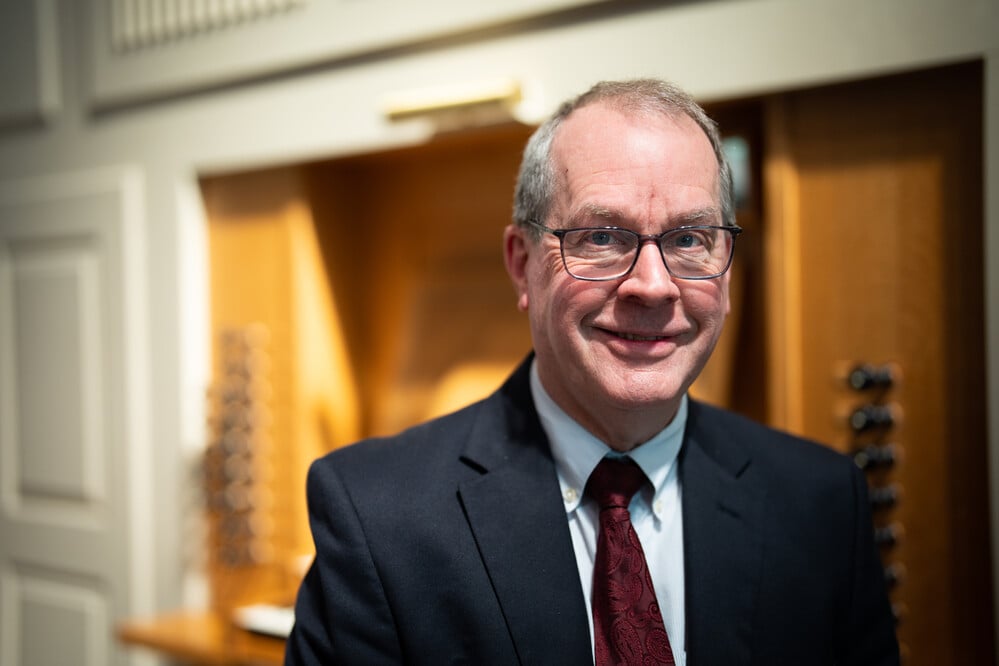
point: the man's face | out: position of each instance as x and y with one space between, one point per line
626 348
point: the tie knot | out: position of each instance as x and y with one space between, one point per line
614 482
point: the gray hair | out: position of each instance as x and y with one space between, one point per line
538 177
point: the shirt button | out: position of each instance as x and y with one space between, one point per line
658 507
569 495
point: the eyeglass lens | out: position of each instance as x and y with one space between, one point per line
604 253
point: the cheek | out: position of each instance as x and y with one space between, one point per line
544 272
706 301
558 303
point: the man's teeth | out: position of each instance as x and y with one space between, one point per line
641 338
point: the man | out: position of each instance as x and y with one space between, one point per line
483 537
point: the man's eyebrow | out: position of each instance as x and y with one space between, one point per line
594 212
699 216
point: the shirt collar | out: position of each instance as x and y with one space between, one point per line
576 451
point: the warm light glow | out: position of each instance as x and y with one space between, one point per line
466 383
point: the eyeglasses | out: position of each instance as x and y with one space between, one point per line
698 252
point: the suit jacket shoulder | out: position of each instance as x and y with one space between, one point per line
447 543
777 534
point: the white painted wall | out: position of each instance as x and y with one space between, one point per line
716 49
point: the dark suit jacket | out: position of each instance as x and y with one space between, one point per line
449 544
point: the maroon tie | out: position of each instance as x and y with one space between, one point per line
627 625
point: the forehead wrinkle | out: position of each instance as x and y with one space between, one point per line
611 216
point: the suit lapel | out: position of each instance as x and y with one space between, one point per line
517 517
723 515
518 520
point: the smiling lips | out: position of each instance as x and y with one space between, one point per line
641 338
665 336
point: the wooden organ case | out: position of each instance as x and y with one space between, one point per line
374 287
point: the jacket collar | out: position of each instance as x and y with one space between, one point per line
516 514
723 523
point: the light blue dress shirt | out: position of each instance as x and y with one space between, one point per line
655 509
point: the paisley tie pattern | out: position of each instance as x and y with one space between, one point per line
627 625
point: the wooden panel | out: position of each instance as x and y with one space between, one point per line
282 387
373 290
736 370
876 202
413 242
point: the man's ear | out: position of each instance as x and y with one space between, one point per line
515 253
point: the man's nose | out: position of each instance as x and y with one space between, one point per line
650 278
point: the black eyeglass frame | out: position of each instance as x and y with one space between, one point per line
733 229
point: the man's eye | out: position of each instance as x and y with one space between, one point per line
600 238
604 238
689 240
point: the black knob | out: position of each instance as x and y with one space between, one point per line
871 417
866 376
894 573
899 611
887 535
883 497
875 455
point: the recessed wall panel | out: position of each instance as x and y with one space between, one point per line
56 338
60 619
55 269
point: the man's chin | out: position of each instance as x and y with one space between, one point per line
640 397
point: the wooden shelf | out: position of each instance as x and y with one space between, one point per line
204 638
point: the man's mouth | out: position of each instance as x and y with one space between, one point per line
641 338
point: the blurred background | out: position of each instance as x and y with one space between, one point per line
237 234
